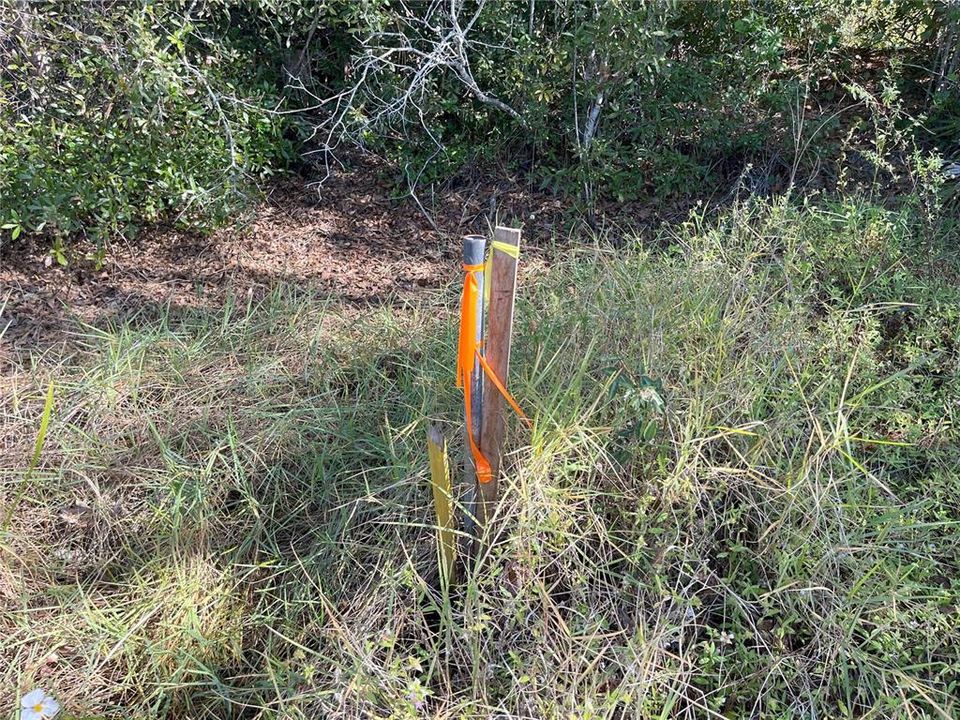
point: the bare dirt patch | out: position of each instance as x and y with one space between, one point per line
347 238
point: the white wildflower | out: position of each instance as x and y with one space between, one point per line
37 705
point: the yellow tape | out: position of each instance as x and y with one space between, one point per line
442 492
511 250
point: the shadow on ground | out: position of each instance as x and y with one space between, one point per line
348 239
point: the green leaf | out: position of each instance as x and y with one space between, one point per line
37 450
650 430
42 433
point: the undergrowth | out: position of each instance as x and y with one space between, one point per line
739 498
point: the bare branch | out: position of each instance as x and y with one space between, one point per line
394 72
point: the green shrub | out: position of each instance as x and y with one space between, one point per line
616 99
115 115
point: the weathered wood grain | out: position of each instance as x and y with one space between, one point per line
503 286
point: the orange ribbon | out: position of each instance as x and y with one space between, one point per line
468 349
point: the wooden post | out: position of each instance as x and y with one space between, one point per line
503 287
473 247
443 500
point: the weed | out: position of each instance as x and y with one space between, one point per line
738 500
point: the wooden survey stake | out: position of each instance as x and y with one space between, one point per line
502 281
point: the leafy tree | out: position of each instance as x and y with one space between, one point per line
117 114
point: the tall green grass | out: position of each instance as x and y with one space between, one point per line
739 498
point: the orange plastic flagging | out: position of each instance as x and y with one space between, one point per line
468 350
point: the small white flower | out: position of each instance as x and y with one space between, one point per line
37 705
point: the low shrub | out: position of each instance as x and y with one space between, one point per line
116 115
